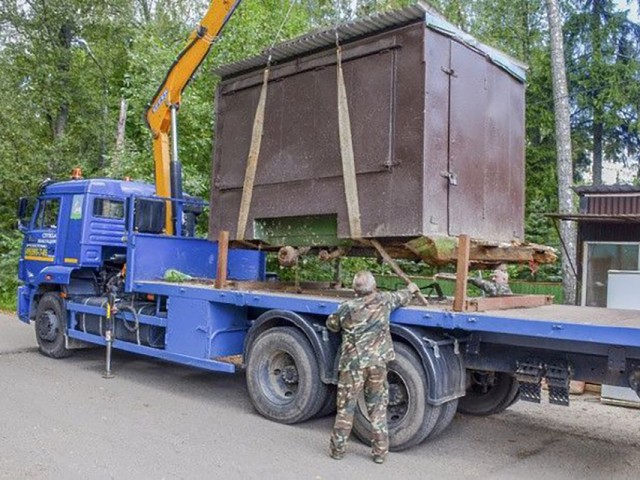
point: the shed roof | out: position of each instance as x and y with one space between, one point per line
606 189
324 38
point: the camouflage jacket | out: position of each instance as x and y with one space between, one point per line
364 323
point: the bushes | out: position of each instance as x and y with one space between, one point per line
9 255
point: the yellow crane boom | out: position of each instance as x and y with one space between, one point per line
162 112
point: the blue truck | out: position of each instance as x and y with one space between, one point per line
93 272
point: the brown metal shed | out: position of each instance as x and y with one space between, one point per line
437 124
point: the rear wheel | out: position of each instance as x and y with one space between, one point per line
447 413
283 377
410 418
51 321
489 393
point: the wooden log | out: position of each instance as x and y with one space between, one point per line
444 250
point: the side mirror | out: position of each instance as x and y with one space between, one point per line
25 209
149 215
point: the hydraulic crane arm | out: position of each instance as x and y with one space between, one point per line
161 114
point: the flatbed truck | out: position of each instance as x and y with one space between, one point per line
93 272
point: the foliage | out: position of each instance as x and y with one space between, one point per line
61 101
604 69
9 255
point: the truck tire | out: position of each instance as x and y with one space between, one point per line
50 324
410 418
489 393
283 377
329 405
447 413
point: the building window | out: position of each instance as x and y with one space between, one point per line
107 208
599 258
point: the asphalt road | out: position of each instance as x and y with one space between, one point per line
61 419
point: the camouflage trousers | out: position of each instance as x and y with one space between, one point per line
491 288
373 380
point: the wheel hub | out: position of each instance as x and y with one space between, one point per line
289 374
48 326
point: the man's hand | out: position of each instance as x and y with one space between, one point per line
413 288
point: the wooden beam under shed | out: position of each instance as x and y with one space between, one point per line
462 273
483 304
223 259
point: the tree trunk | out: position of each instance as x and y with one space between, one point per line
563 147
597 152
120 133
60 122
65 35
597 13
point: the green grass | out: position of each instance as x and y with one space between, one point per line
391 282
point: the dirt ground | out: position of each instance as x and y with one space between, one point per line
61 419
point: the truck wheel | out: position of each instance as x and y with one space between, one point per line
329 405
489 393
447 413
410 418
283 377
51 319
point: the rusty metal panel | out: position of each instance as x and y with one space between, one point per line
486 151
437 58
413 121
299 170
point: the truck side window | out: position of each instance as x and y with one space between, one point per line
48 211
108 208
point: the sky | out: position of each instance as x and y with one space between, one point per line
633 9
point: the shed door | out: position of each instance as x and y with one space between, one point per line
486 149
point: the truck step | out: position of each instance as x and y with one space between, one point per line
530 374
558 379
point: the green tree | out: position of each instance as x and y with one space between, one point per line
604 65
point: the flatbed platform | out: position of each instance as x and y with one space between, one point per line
552 323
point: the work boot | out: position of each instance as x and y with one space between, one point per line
336 455
378 458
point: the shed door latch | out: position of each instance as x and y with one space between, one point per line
452 177
449 71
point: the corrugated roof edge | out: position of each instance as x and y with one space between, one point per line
321 39
605 189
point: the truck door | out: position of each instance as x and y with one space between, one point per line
75 215
41 243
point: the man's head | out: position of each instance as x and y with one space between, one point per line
364 283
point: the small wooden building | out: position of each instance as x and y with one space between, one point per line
437 122
608 237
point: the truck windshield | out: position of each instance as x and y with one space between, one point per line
48 211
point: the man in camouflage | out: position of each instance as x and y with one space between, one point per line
365 351
497 286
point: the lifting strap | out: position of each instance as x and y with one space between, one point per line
252 160
346 152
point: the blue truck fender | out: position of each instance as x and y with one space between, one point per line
441 360
54 275
324 343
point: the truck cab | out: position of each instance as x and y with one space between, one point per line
76 235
